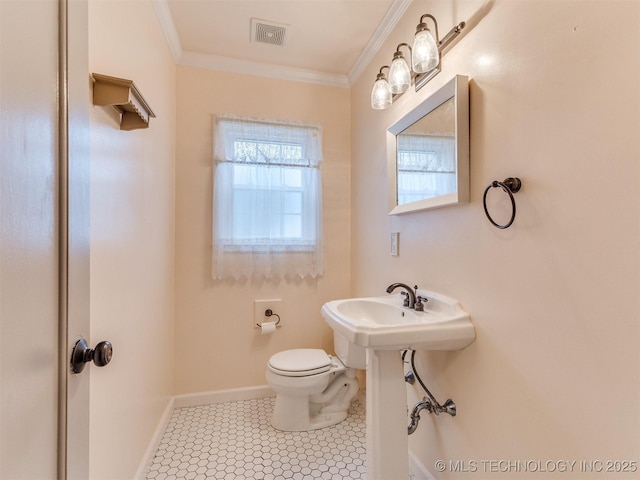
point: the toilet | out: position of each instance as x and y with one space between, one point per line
314 389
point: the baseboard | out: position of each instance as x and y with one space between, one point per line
219 396
417 468
155 441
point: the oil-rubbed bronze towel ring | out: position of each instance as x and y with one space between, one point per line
510 185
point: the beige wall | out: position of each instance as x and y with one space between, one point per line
554 371
217 346
132 240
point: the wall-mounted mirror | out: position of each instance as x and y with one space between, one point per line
428 152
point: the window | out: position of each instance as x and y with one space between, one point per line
267 199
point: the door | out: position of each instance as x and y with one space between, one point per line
41 286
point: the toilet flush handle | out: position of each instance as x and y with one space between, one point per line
82 354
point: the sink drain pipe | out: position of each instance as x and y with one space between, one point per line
429 404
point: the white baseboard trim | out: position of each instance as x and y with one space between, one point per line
219 396
155 441
417 468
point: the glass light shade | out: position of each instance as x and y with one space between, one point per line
399 75
381 97
424 55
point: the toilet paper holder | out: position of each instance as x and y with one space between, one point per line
268 313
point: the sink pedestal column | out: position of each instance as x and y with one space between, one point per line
387 438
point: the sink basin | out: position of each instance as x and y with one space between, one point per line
382 323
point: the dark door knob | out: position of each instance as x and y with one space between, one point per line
82 354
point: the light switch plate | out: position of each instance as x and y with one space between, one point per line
395 240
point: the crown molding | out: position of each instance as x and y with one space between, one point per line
168 27
388 23
213 62
227 64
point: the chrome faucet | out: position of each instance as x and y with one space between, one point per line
410 301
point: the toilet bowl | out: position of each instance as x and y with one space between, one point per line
314 389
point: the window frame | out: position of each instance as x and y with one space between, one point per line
311 198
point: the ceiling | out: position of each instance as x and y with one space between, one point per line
325 41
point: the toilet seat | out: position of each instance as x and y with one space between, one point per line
300 362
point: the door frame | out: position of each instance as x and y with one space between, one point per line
74 234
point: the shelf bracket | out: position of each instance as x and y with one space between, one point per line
124 96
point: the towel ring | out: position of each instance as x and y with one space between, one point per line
510 185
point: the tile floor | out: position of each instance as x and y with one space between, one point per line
234 440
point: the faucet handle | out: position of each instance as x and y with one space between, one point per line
405 303
419 306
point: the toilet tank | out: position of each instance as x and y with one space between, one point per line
351 355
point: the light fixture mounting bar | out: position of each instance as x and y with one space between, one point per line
449 37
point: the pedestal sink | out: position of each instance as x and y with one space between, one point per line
384 327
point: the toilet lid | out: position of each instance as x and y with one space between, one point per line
300 362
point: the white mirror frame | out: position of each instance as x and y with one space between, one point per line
458 89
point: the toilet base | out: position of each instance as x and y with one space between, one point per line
299 413
313 422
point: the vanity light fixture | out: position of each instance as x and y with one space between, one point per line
425 54
425 63
399 73
381 96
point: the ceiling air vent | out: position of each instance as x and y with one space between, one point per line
271 33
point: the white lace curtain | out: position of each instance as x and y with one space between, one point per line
267 199
426 167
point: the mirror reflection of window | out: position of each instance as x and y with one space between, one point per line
426 167
426 156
